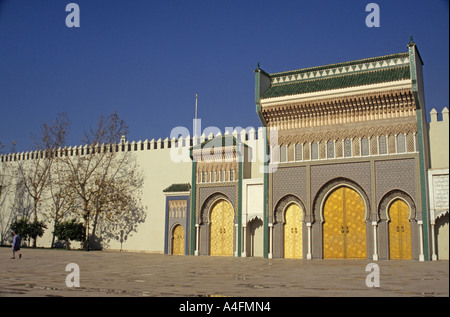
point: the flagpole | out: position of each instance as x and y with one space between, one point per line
195 121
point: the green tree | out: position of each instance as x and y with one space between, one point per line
26 229
70 230
36 229
21 227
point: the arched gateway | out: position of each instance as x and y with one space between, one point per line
400 247
178 240
221 219
344 227
293 233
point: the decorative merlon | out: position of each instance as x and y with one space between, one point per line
434 115
340 69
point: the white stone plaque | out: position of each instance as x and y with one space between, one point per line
440 189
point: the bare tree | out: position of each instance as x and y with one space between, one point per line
35 172
61 196
6 183
103 177
118 203
54 138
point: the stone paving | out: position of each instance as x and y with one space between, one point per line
42 273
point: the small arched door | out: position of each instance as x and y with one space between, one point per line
400 247
178 240
344 227
293 233
222 225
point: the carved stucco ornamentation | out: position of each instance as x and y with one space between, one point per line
288 137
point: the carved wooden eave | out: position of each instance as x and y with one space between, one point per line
366 107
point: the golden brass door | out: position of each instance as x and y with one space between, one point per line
222 220
399 231
344 228
355 226
293 241
178 240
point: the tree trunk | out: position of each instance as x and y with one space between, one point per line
86 242
86 221
35 219
94 226
54 230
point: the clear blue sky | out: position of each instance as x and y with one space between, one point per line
147 59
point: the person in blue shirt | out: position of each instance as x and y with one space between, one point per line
16 245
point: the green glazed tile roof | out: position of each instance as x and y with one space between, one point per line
336 82
178 188
223 141
217 142
344 64
340 75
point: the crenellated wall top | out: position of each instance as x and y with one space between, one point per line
132 146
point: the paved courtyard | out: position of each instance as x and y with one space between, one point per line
42 272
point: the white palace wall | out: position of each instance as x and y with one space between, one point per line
159 171
162 163
438 183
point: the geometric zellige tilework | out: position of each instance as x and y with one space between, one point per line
289 180
357 172
396 174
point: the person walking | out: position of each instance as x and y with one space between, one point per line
16 245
